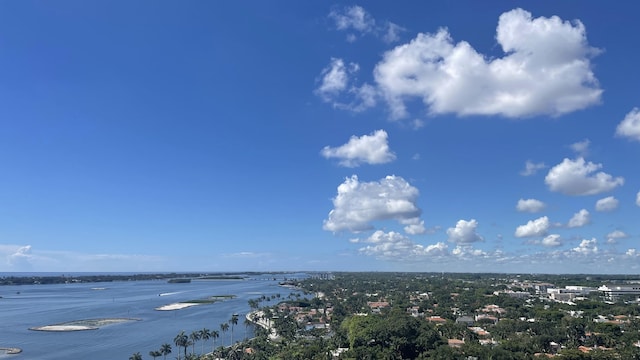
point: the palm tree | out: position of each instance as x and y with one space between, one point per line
255 317
214 335
165 349
253 304
155 353
233 321
194 337
247 323
205 335
224 327
136 356
181 340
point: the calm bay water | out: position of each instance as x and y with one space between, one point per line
23 307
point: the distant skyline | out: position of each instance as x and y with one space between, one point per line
158 136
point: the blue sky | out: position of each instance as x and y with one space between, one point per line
232 136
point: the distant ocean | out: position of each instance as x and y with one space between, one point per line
27 306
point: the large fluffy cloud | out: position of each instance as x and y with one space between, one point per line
609 203
579 219
546 69
630 126
368 149
464 232
537 227
530 205
578 177
358 204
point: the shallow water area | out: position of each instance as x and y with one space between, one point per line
30 306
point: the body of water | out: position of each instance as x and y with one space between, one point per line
27 306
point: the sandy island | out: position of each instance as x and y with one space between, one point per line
64 328
82 325
176 306
10 351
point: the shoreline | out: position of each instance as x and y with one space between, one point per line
266 324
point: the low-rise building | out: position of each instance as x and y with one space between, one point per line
615 292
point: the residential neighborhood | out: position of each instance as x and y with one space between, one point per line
456 316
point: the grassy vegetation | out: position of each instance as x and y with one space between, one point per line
210 299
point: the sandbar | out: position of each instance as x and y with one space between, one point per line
82 325
176 306
10 351
64 328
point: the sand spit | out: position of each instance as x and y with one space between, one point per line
176 306
10 351
63 328
82 325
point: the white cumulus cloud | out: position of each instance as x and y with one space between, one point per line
335 79
615 235
530 205
18 258
537 227
552 240
579 219
466 252
578 177
464 232
367 149
358 204
638 199
395 246
609 203
586 247
545 69
630 125
414 226
531 168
